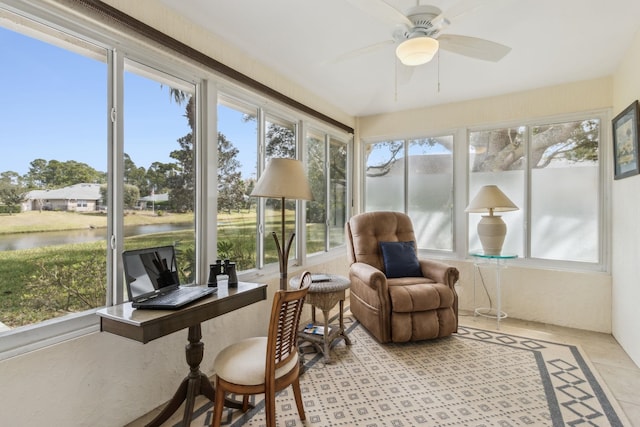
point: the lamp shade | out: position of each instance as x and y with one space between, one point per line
283 178
491 199
417 50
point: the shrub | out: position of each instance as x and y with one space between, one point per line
64 288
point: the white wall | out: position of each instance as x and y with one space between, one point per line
573 299
101 379
104 380
626 211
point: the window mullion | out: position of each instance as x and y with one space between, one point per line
115 188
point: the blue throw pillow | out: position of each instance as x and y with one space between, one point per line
400 259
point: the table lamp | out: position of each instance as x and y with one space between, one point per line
491 228
283 179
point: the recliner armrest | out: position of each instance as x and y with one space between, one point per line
368 275
439 272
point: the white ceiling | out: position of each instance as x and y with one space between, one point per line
552 41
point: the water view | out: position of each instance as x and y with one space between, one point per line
18 241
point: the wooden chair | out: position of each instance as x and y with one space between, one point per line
265 364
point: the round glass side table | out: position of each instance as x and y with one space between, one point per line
499 261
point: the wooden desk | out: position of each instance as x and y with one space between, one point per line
147 325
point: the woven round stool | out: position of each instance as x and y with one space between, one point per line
325 295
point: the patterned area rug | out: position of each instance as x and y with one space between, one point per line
475 378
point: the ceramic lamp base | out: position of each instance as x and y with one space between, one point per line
491 231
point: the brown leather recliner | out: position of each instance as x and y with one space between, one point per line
397 309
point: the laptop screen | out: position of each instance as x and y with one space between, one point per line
148 270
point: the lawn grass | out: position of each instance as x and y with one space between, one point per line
36 221
32 280
26 275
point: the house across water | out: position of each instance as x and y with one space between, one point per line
76 198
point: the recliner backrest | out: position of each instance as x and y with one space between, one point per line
365 231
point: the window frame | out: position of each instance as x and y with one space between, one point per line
121 43
455 134
461 194
329 136
604 179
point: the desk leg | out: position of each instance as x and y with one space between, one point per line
195 384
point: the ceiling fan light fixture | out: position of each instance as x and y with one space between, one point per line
417 50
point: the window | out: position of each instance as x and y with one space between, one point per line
338 191
384 176
237 171
420 184
54 141
316 209
327 169
159 164
490 163
105 145
551 172
279 141
245 223
430 191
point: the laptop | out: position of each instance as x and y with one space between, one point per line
151 275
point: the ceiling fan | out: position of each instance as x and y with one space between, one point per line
419 33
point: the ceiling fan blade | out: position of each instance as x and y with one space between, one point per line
473 47
462 7
361 51
382 10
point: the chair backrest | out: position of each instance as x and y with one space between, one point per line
282 342
365 231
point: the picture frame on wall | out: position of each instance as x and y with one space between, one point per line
625 142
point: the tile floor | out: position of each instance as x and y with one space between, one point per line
611 363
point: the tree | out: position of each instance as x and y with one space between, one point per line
504 149
182 184
281 141
316 210
181 178
11 193
158 176
10 178
131 196
56 174
231 188
35 176
134 175
394 148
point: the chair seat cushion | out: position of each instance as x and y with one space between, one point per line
412 297
244 362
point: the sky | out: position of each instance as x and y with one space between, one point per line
55 108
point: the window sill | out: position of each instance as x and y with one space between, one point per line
25 339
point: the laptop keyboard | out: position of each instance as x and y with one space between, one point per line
178 295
